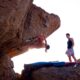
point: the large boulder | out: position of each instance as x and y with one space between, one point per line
20 21
12 13
39 21
36 21
51 71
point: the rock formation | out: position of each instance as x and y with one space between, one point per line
12 15
50 72
20 20
6 68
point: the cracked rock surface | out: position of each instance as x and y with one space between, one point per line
20 20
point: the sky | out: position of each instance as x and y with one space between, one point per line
69 13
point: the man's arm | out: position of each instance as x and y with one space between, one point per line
72 41
45 45
45 42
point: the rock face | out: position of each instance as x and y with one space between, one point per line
66 73
38 21
21 20
12 13
48 72
6 68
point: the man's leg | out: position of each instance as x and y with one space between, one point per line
74 58
69 57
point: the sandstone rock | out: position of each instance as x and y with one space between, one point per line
12 13
20 20
36 22
64 73
6 68
48 72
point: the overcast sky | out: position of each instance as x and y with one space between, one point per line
69 13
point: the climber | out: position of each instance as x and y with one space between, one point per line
40 42
70 51
35 42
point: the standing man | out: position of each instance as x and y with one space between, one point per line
70 51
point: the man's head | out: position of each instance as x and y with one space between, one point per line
47 46
68 35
